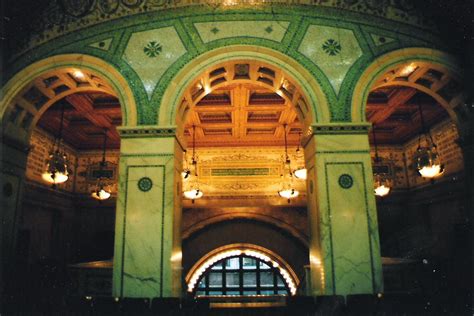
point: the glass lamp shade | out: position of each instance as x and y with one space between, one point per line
186 174
381 190
55 177
382 185
428 163
56 169
288 193
101 194
430 171
301 173
193 194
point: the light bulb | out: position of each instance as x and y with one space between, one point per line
407 70
301 173
193 194
289 193
186 174
56 168
78 74
428 163
101 194
55 178
382 190
432 171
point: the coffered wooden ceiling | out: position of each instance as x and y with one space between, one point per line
89 108
395 114
242 115
86 117
250 112
394 105
243 103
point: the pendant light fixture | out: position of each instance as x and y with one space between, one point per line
56 170
427 159
101 191
382 182
300 172
193 192
287 190
186 173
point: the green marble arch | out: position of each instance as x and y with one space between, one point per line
298 31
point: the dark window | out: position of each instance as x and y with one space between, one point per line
241 275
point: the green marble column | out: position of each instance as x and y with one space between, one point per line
13 164
344 246
147 257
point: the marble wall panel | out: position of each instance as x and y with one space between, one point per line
145 263
345 245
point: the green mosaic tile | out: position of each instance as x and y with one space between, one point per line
272 30
104 44
332 47
151 53
279 27
152 49
333 50
380 40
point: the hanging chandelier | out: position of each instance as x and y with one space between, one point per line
102 192
427 160
300 172
287 190
192 192
382 181
56 170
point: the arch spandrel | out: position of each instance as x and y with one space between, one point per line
322 41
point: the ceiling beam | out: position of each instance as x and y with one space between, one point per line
400 97
84 106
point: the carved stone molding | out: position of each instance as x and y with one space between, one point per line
147 131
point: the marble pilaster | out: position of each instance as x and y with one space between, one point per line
147 258
13 164
344 243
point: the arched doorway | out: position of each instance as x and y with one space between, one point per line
69 104
416 100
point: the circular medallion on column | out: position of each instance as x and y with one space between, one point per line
345 181
145 184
